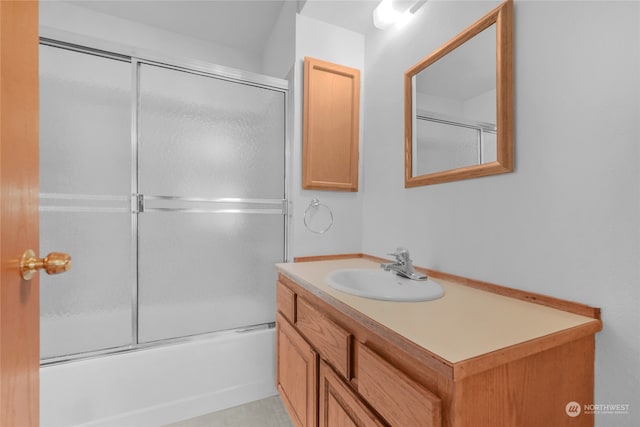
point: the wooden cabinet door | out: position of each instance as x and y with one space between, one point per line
331 126
339 406
296 374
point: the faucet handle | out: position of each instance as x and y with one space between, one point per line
401 255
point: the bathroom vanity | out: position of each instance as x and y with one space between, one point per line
482 355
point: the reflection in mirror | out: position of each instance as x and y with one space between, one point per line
455 98
458 105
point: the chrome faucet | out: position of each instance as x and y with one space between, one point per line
403 266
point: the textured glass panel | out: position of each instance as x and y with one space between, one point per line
206 272
207 137
85 123
84 203
89 307
442 146
489 147
85 178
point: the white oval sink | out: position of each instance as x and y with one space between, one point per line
383 285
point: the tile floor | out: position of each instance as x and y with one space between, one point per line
267 412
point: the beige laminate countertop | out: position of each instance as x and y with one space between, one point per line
464 323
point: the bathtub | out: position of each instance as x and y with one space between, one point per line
160 385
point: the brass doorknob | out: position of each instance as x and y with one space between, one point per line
54 263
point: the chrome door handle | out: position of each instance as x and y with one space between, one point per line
54 263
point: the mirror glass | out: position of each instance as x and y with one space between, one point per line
458 106
455 108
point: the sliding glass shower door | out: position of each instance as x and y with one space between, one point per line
167 187
85 207
211 156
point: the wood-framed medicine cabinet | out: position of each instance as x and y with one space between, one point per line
331 126
459 105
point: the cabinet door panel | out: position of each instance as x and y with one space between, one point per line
336 414
339 406
331 126
296 374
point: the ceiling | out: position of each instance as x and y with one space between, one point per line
247 25
241 24
354 15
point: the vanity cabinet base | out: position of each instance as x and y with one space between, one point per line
338 368
533 391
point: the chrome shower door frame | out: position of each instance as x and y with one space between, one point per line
138 201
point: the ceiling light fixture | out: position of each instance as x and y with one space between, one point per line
385 15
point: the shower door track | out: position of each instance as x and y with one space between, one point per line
112 50
154 344
74 42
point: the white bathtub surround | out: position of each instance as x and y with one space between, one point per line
158 386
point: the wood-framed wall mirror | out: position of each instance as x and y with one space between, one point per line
459 105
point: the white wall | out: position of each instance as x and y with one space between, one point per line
279 53
62 16
334 44
565 223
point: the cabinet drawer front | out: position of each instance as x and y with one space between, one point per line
400 400
286 302
332 342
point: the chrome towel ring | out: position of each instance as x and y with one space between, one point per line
314 208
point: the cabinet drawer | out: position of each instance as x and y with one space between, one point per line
286 302
400 400
332 342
